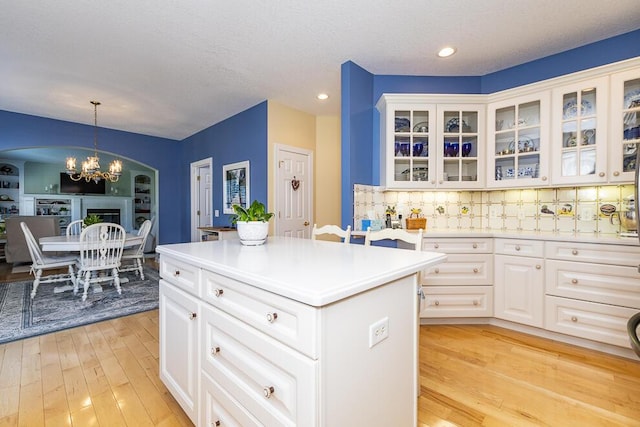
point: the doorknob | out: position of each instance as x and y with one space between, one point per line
306 223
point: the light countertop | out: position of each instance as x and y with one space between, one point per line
313 272
562 237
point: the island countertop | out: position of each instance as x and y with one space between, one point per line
312 272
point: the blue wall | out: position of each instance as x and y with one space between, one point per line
25 131
361 91
239 138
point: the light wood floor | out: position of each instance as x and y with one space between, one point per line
106 374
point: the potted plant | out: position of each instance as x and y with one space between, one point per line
92 219
252 223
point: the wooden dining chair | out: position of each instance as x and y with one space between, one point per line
333 230
75 227
42 263
134 257
101 247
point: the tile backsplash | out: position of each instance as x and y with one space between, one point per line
559 210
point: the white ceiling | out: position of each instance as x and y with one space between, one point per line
172 68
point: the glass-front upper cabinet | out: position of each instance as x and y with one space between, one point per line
518 131
407 144
460 146
579 133
624 134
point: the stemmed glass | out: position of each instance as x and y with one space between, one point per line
455 148
466 149
417 149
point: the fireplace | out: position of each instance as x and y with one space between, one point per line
106 214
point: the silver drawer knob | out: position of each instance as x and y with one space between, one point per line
517 247
436 246
475 246
268 391
538 266
192 316
574 319
544 178
271 317
616 173
218 292
574 252
475 270
601 174
436 302
437 270
574 281
215 351
475 302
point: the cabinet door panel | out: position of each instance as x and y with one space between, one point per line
178 340
219 407
519 290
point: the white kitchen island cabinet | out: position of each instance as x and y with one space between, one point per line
292 333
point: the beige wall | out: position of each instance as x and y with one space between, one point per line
320 135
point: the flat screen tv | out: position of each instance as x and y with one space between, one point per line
69 186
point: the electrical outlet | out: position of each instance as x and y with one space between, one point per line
378 331
216 213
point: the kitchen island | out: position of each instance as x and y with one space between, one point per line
294 332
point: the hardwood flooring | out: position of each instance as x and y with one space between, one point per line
106 374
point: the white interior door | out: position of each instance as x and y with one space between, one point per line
201 196
293 192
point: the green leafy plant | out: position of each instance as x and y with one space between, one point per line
91 219
256 212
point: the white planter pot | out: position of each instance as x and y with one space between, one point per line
252 233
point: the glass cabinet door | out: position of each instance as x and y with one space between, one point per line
460 146
518 132
411 150
579 136
625 122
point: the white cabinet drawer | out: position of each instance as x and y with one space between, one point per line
180 274
461 270
608 284
598 322
458 245
593 252
288 321
277 385
519 247
457 301
219 408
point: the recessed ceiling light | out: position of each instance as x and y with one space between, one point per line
446 51
323 96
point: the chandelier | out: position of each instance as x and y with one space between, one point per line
91 166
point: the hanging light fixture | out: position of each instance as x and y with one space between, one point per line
91 166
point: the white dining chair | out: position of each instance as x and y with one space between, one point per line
101 247
75 227
42 263
394 234
333 230
134 257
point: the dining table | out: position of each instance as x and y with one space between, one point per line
71 243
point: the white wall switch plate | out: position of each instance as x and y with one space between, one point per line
216 213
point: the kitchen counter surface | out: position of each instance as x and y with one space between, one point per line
313 272
549 236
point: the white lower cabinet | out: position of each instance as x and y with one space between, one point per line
461 286
235 355
592 290
179 330
519 290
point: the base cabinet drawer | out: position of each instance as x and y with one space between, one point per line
461 270
180 274
458 245
598 322
594 253
283 319
607 284
220 409
275 384
457 301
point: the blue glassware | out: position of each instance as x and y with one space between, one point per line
466 149
417 149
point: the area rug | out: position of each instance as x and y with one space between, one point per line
21 317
